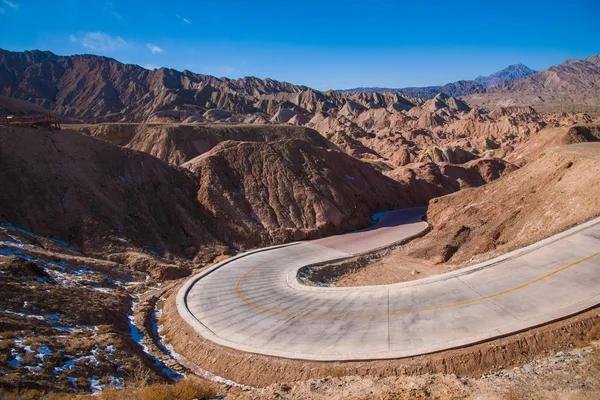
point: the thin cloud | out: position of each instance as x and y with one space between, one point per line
117 16
184 20
10 4
100 41
154 48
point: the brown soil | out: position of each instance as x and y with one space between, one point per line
392 269
566 375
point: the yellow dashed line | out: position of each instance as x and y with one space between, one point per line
462 303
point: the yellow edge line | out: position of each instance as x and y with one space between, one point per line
462 303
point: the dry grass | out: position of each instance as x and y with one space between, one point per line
187 389
29 359
593 333
220 258
21 395
8 334
6 344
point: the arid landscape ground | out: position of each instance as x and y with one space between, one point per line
156 175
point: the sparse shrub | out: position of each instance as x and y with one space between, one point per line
515 394
6 344
141 375
21 394
220 258
29 359
104 329
593 333
8 335
83 382
63 377
183 390
31 341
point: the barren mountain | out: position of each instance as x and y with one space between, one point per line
98 89
443 129
569 77
429 180
88 87
98 197
12 106
459 88
289 190
572 85
250 186
509 73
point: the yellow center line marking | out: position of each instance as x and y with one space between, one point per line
462 303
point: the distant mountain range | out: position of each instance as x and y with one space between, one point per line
509 73
571 86
459 88
99 89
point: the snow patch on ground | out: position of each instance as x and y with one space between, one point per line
167 348
138 337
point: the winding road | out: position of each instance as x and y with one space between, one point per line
254 302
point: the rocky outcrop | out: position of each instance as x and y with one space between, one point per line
283 115
216 114
456 155
426 181
260 193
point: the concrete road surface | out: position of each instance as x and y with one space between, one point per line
255 303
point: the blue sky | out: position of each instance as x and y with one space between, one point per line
323 44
